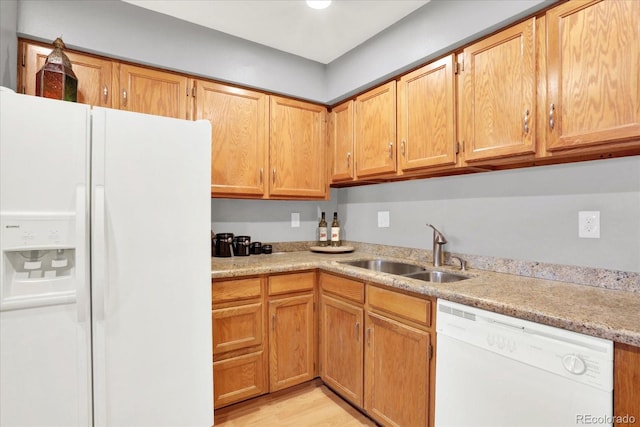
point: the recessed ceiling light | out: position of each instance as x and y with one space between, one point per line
318 4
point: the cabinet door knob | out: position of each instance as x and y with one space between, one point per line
105 93
261 175
391 150
526 121
274 175
349 159
124 97
402 147
357 331
552 110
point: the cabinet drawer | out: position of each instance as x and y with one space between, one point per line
237 327
405 306
286 283
239 289
239 378
346 288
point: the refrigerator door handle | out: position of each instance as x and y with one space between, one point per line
82 282
99 259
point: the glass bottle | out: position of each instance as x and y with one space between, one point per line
322 231
335 230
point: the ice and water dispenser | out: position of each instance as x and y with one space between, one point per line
38 259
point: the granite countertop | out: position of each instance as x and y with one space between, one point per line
595 311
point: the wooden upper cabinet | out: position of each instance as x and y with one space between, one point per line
297 150
375 131
149 91
593 90
94 74
499 94
239 138
341 136
426 116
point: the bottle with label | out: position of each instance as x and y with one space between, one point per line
335 230
322 231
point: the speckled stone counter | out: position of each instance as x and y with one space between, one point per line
607 313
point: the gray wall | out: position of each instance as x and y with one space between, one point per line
526 214
435 29
8 43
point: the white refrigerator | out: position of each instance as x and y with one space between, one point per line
105 269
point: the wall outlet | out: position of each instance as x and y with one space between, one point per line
295 219
383 219
589 224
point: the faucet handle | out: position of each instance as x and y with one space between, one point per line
463 263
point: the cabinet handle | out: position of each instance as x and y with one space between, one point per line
273 322
124 97
552 110
349 159
274 176
261 175
105 93
391 150
526 121
358 331
402 147
369 336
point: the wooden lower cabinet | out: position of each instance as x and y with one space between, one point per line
626 385
292 329
240 362
384 365
341 336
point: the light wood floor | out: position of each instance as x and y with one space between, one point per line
308 405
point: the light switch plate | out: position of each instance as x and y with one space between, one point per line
295 219
383 219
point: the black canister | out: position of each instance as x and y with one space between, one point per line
256 248
267 249
241 245
224 245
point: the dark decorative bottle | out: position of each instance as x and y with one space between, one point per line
322 231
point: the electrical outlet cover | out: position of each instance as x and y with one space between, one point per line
383 219
589 224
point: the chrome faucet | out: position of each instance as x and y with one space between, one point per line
438 242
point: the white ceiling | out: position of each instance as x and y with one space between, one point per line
290 25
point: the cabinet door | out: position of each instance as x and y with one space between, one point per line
341 142
341 347
593 94
239 138
397 372
94 74
291 341
297 149
426 112
499 88
148 91
375 136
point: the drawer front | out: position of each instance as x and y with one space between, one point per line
238 289
239 378
296 282
237 327
405 306
350 289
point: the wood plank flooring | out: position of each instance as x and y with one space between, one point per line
308 405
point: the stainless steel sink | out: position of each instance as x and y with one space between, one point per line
384 266
406 270
436 276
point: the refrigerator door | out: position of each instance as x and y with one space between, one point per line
151 270
45 342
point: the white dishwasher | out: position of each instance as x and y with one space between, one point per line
495 370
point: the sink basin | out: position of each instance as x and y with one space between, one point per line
384 266
436 276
